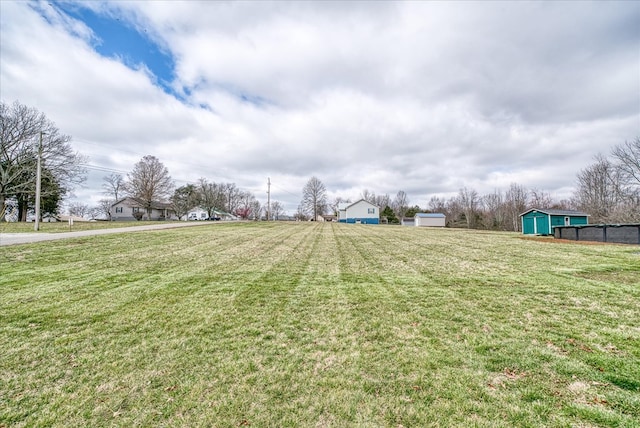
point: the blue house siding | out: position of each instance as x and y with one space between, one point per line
361 220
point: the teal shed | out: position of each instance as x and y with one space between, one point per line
542 221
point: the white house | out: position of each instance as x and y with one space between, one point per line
198 213
430 220
361 212
126 210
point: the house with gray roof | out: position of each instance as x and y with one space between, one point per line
542 221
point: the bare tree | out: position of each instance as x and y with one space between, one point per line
368 196
515 204
113 186
256 210
400 204
78 209
563 204
455 211
94 212
26 133
149 182
245 205
437 205
104 208
627 156
277 210
600 189
300 214
540 199
314 197
469 202
494 209
212 196
232 196
382 201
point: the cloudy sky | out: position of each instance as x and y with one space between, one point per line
425 97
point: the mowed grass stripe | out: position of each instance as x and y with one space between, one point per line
313 324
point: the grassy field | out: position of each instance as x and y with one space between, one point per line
319 325
57 227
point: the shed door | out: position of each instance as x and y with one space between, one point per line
528 227
542 225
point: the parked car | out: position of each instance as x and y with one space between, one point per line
215 218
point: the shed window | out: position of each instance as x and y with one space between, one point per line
371 210
118 210
136 209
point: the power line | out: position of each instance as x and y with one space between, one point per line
285 191
102 168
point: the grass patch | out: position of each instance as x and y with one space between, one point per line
58 227
311 324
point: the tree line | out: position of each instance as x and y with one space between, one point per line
499 210
149 183
26 135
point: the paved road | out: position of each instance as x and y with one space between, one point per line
27 238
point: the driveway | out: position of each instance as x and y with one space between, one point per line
28 238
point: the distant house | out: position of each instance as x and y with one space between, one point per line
430 220
198 213
224 215
127 208
542 221
71 219
360 212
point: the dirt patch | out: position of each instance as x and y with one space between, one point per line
578 387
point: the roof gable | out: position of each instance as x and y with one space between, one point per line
361 200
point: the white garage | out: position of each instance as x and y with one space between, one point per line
430 220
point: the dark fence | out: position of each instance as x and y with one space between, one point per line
618 233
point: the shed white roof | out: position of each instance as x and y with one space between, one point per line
430 215
557 212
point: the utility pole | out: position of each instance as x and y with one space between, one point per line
36 226
268 198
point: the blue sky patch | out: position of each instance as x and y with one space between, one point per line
117 38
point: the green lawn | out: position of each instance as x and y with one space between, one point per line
319 325
57 227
